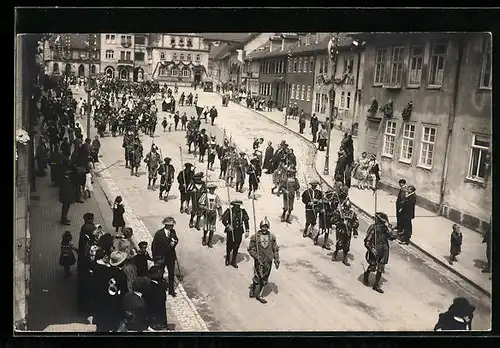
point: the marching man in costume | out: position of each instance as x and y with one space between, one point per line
310 198
254 172
135 156
346 224
166 171
212 152
210 205
196 189
128 139
289 189
377 245
263 248
235 219
325 218
153 161
241 166
184 179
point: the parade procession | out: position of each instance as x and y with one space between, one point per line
200 213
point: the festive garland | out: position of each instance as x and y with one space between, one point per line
406 113
388 109
373 107
328 81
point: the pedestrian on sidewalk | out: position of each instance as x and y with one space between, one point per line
67 257
184 120
66 196
85 241
163 249
302 122
360 171
118 211
458 317
455 244
141 259
176 121
400 202
314 125
322 138
374 172
407 215
156 299
487 240
89 188
135 315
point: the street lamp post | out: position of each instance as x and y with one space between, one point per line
333 56
88 87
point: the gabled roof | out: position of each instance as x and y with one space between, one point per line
226 37
77 41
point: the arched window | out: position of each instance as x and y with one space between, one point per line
189 57
189 42
182 56
110 72
81 70
186 72
92 69
181 41
55 68
110 54
174 72
124 74
174 56
67 70
163 71
198 57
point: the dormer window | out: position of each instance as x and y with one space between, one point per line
181 41
172 42
189 42
182 57
308 39
174 56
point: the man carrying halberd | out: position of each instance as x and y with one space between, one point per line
263 248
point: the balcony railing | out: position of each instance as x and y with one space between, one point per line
126 61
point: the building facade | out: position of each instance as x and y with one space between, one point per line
426 113
142 59
72 54
179 57
250 76
117 55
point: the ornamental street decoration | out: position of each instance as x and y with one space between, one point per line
406 113
388 109
325 80
179 65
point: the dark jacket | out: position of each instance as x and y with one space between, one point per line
401 198
447 322
161 247
408 211
314 124
135 312
268 157
66 190
156 298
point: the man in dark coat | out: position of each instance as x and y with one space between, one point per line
156 299
268 158
458 317
236 222
314 125
487 240
134 306
185 178
302 121
213 115
310 198
400 202
163 250
166 172
66 196
85 241
56 166
408 214
196 190
340 167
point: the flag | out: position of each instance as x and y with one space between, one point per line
240 55
199 110
58 39
216 43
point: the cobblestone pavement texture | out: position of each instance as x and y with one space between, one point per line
434 241
307 281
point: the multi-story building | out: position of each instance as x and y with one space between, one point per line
178 57
250 76
141 58
72 54
117 55
343 84
426 113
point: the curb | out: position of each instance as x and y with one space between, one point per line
437 260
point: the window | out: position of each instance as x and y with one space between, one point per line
407 143
140 40
308 39
309 92
324 103
189 57
186 72
416 62
316 39
282 66
389 139
163 70
396 65
477 164
292 92
139 56
297 95
346 64
486 65
317 102
348 100
437 64
342 100
92 69
108 38
350 65
181 41
172 41
174 72
311 64
300 65
113 38
305 66
174 56
289 65
181 56
189 42
110 54
380 58
122 55
128 55
295 65
129 39
198 57
162 56
303 95
427 149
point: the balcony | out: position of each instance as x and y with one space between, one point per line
126 44
126 61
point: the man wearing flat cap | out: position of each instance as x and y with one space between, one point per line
235 219
289 188
196 190
377 245
163 250
152 161
167 172
210 205
185 178
241 166
310 198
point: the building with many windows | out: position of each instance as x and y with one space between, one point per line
426 113
178 57
141 57
117 55
72 54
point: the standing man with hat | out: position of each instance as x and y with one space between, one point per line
241 166
210 204
66 196
310 198
152 161
235 219
196 190
185 178
85 241
377 245
263 248
163 250
166 171
346 224
289 189
458 317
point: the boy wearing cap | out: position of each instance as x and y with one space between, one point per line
185 178
235 219
377 245
210 205
310 198
167 172
196 190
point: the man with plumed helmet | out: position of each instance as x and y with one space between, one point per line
210 205
264 249
163 249
185 178
236 222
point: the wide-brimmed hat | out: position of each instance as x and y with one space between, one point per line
117 258
242 153
198 175
88 216
188 164
211 186
236 202
462 308
314 183
381 216
168 221
167 159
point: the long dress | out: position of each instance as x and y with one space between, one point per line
268 157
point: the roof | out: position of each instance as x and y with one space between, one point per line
226 37
77 41
221 51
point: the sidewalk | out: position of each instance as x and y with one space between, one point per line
473 256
